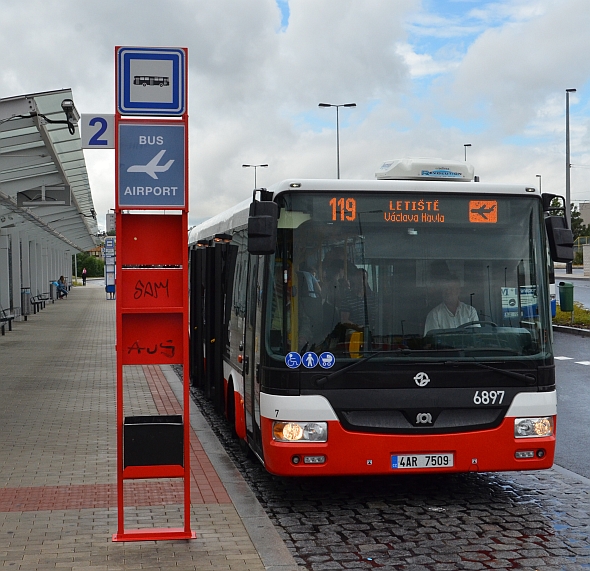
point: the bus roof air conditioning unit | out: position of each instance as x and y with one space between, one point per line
425 169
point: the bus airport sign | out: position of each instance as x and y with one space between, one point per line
151 165
151 81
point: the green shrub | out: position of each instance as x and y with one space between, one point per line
581 316
94 266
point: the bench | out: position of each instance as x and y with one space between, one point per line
38 302
44 297
6 317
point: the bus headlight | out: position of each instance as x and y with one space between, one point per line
300 431
533 427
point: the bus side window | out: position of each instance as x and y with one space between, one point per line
241 275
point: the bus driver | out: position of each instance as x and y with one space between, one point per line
452 312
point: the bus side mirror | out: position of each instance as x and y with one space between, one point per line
262 227
560 237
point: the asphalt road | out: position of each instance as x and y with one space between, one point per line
572 360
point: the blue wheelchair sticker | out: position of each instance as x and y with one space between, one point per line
327 360
310 360
293 360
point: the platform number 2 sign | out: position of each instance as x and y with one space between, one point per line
97 131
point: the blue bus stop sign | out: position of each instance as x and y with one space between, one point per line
151 165
151 81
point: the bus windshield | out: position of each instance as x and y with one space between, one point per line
425 275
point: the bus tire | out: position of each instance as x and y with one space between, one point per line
245 448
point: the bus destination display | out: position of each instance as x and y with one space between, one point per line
410 210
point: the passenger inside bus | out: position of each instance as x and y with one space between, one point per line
451 312
320 302
358 304
334 287
310 306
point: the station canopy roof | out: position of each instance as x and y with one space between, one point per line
43 179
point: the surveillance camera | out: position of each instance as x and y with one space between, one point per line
70 110
67 105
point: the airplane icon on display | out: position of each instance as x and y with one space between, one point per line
152 167
482 210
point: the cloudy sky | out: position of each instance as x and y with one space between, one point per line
428 77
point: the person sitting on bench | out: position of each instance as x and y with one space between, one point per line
62 289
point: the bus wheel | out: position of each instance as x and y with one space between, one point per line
246 451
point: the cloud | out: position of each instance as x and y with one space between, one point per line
420 65
513 70
427 77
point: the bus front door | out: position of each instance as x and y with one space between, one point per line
252 340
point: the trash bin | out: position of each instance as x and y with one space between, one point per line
25 301
566 296
52 291
153 440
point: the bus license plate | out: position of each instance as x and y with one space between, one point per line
424 461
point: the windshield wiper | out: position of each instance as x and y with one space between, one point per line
323 380
512 374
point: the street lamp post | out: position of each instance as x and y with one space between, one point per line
568 210
254 167
337 130
466 145
539 177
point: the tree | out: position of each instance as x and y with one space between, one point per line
94 266
578 226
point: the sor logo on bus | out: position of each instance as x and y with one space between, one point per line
421 379
423 418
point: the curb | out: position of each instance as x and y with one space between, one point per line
271 548
570 474
572 330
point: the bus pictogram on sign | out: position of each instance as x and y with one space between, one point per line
146 80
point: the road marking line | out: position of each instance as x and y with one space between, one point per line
563 358
582 362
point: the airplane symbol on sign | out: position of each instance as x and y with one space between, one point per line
152 167
482 210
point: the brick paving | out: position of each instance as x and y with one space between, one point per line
58 457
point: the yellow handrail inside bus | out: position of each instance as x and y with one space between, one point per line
355 344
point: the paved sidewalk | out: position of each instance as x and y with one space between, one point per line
58 497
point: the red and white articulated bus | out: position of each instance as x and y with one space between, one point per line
403 324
